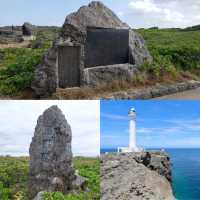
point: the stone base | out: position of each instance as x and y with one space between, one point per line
129 150
78 184
97 76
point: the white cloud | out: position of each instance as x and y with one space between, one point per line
165 13
114 117
120 14
18 120
146 6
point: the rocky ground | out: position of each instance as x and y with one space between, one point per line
187 88
155 91
136 176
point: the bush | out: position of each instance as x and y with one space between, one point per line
14 173
160 67
42 41
178 48
13 178
89 168
4 192
18 70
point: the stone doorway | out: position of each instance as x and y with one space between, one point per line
69 66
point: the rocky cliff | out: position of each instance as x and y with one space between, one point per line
136 176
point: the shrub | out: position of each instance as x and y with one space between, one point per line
14 179
17 74
4 192
179 48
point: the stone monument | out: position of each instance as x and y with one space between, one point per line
94 47
51 166
27 29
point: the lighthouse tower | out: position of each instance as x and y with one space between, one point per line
132 131
132 134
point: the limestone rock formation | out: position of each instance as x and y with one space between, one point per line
156 161
135 176
103 74
74 33
50 154
27 29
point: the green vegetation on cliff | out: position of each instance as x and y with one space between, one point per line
14 179
17 68
17 65
175 51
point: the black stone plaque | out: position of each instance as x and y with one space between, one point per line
106 47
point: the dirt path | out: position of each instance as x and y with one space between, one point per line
15 45
190 94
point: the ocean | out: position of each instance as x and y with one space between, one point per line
185 170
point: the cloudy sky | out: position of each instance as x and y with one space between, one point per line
18 120
137 13
160 124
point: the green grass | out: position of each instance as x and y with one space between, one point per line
180 48
14 179
17 65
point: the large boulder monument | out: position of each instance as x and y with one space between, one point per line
51 167
94 47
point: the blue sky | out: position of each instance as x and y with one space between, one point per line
137 13
160 124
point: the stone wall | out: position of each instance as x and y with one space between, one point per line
154 91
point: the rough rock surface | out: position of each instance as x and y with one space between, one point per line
135 176
50 154
39 196
156 161
103 75
74 32
154 92
27 29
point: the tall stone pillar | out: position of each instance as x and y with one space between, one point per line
51 155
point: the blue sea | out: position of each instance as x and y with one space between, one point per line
186 172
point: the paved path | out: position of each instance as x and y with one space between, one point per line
190 94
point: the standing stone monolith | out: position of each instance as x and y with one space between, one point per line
50 151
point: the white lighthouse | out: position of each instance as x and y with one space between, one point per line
132 133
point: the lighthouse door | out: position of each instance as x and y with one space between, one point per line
68 66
